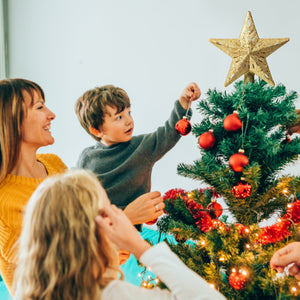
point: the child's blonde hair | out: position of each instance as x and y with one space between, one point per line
90 108
60 246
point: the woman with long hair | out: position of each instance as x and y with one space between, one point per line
68 248
25 127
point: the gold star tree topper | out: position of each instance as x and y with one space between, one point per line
249 53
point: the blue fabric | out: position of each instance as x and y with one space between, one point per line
131 269
4 293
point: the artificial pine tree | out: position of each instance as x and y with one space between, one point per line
244 146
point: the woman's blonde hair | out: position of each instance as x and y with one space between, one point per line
60 246
11 117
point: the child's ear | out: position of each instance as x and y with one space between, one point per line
95 132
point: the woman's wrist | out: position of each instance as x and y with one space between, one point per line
140 248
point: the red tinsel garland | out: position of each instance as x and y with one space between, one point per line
269 234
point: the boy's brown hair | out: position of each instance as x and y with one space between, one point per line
90 108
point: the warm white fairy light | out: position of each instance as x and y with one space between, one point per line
212 285
244 272
293 289
156 280
248 246
289 205
285 191
233 270
222 258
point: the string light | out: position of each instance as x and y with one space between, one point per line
212 285
248 246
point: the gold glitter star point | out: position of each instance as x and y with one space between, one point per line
249 53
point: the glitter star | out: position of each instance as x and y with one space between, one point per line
249 53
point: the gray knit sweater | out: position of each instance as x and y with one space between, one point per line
125 169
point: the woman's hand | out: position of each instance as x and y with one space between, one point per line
119 229
287 256
145 208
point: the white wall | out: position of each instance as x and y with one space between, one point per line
151 48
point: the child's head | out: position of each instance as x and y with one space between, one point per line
92 106
62 254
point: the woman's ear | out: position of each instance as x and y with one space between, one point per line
95 132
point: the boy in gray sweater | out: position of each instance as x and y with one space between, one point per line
122 162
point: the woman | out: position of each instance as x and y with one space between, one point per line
67 250
25 127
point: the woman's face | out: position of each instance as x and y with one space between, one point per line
36 123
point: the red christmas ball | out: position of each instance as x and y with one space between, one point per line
242 190
238 280
151 222
232 122
183 126
238 160
215 209
207 140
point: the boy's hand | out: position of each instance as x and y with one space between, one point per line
189 94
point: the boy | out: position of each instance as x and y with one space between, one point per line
122 162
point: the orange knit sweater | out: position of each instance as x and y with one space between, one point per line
15 192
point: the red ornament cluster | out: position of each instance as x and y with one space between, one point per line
205 222
237 280
183 126
242 190
205 218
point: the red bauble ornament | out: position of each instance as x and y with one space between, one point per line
296 212
232 122
241 190
183 126
215 209
151 222
207 140
238 160
238 280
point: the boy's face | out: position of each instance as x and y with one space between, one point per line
117 127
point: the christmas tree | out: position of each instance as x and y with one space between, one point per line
244 145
